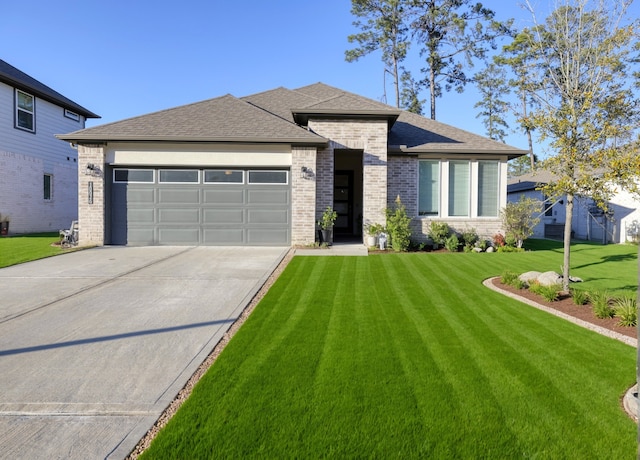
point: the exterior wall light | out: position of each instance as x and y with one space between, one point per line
306 173
93 170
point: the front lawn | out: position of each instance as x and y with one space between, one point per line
19 249
409 356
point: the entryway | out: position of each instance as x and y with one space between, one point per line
347 195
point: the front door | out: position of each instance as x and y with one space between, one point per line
343 202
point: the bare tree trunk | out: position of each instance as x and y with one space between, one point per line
432 90
567 242
396 81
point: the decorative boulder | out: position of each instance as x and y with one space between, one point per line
490 249
549 278
477 249
528 277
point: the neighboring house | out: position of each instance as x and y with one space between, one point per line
260 170
618 225
38 173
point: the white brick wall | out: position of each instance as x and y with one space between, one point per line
303 206
91 224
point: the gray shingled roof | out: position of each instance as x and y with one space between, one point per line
223 119
270 116
18 79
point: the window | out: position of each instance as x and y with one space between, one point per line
268 177
25 111
179 176
48 179
428 187
459 188
488 177
223 176
133 175
72 115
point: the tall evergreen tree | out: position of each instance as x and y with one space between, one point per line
383 27
453 33
492 85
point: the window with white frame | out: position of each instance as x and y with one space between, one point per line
459 178
428 187
268 177
223 176
25 111
488 180
48 181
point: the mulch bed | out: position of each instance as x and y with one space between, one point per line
565 305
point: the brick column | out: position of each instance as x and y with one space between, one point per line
91 215
303 200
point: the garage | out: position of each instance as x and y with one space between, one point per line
199 206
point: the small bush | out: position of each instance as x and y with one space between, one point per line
626 309
438 232
469 239
579 297
536 287
601 302
506 248
452 243
398 225
549 293
508 277
498 240
519 284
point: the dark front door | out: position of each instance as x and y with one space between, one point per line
343 202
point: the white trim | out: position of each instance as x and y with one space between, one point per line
249 182
71 115
160 181
205 181
21 109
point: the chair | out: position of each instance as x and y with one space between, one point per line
69 238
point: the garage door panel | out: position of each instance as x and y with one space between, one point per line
267 236
223 236
182 196
267 216
180 216
222 216
141 216
140 236
178 235
141 196
269 196
228 196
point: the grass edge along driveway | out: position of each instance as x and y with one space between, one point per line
406 356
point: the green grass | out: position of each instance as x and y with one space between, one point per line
409 356
19 249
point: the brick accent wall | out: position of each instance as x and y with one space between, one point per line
369 136
91 215
303 205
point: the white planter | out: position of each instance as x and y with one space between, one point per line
371 241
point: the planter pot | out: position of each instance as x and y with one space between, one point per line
327 236
371 241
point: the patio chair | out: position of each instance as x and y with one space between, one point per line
69 237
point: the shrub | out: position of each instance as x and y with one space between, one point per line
498 240
519 218
626 309
519 284
508 277
549 293
438 232
482 244
469 239
452 243
398 225
579 297
509 249
601 302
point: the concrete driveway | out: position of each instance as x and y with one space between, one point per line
95 344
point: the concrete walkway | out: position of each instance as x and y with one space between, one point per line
95 344
337 249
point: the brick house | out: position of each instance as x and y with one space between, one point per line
260 170
38 173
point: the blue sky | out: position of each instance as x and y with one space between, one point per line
126 58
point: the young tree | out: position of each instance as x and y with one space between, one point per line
383 28
453 33
492 84
410 95
519 218
587 111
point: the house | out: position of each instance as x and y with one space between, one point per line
618 225
38 173
261 169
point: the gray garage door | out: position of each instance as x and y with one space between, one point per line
151 206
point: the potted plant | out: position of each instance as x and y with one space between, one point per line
329 217
373 231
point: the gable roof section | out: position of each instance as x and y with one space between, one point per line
530 181
280 101
223 119
18 79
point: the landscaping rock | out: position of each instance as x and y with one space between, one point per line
490 249
477 249
549 278
528 277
